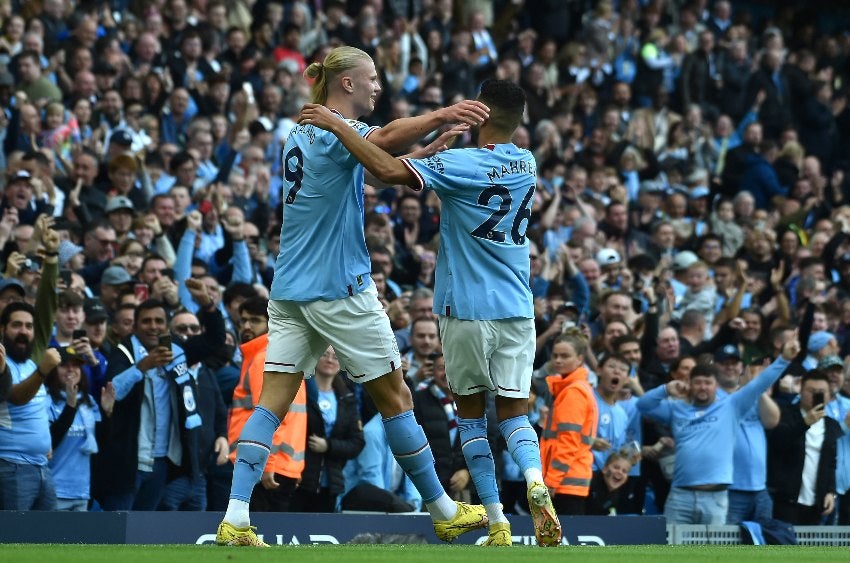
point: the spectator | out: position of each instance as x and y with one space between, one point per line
335 435
150 435
283 470
703 473
803 482
73 415
571 427
607 485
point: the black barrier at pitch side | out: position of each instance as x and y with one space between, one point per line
290 528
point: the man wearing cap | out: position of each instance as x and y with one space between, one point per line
821 344
95 327
748 496
69 319
18 194
11 290
681 262
704 423
611 265
114 281
119 214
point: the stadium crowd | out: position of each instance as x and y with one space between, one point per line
690 256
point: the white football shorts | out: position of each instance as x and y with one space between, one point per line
357 327
492 356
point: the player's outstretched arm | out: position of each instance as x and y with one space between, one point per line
383 165
401 133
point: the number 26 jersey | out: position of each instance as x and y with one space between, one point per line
483 264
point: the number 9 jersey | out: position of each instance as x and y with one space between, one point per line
322 247
483 265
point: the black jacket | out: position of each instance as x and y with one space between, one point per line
431 415
786 454
345 442
116 463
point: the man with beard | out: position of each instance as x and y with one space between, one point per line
284 466
701 419
25 480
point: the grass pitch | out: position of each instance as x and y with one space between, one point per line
39 553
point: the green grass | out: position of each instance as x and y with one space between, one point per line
21 553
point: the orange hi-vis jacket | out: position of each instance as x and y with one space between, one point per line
569 433
290 438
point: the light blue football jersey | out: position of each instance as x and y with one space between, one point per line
322 246
483 265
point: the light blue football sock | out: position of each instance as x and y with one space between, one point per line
523 446
479 458
252 452
411 449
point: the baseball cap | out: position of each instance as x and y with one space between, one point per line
95 311
818 340
830 362
118 202
699 191
607 256
104 68
23 175
68 250
68 354
727 352
115 275
121 137
684 260
14 283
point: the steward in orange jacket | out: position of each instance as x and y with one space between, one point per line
286 460
568 434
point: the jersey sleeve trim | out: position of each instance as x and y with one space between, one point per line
416 173
370 131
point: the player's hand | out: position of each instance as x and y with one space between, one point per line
318 115
443 142
268 481
470 112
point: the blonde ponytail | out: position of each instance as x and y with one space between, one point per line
336 62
